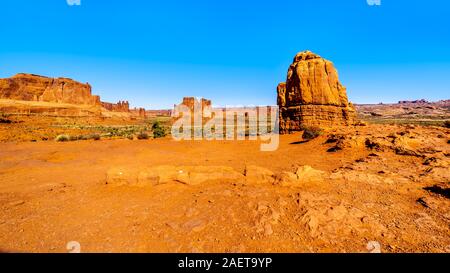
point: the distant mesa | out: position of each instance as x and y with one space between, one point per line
312 95
121 106
35 88
30 87
422 101
192 103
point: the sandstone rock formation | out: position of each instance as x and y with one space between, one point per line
34 94
156 113
121 106
140 112
192 102
28 87
313 95
198 109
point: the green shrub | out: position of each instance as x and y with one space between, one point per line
94 136
62 138
82 137
4 118
89 137
142 136
311 132
158 130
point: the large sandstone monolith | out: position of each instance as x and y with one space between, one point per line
313 95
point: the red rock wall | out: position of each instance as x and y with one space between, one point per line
121 106
30 87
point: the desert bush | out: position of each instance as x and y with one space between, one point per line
73 138
158 130
447 124
142 135
311 132
4 118
89 137
130 137
94 136
62 138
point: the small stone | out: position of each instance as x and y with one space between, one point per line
268 230
16 203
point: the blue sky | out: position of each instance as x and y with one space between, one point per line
153 53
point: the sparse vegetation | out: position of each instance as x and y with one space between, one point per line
311 132
94 136
158 130
447 124
62 138
82 137
142 136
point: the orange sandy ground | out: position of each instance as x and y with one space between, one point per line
53 193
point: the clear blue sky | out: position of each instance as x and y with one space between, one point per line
153 53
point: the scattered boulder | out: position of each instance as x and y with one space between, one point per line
308 174
258 175
404 145
343 141
287 179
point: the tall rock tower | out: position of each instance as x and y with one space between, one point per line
313 95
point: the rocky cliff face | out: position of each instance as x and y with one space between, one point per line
190 102
313 95
139 112
30 87
121 106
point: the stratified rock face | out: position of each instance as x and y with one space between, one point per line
30 87
313 95
121 106
190 102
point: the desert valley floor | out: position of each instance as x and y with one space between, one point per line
382 183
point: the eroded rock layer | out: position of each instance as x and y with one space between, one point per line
29 87
313 95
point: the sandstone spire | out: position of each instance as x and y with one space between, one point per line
313 95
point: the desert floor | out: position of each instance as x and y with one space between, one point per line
54 193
